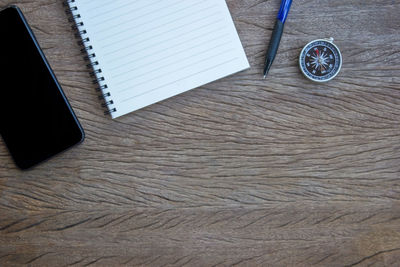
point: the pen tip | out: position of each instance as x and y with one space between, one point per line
267 67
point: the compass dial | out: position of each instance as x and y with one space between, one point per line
320 60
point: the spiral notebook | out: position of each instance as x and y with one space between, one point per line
144 51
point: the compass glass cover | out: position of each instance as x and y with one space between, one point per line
320 61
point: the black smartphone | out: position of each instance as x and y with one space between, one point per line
36 119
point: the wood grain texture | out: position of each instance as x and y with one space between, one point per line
282 172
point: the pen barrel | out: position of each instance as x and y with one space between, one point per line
274 43
284 10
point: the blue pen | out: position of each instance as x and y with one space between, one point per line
276 35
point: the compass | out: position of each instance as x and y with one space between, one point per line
320 60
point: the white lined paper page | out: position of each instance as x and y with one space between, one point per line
150 50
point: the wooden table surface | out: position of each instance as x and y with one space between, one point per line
281 172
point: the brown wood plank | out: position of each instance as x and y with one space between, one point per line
282 172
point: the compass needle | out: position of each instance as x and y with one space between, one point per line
320 60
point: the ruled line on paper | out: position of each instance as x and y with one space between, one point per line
161 50
162 25
166 74
132 14
108 11
166 65
144 15
163 33
101 6
190 30
167 48
181 79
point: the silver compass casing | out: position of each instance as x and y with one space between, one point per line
330 40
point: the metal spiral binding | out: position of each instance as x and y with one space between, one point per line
90 57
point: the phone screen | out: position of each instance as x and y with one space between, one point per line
36 120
